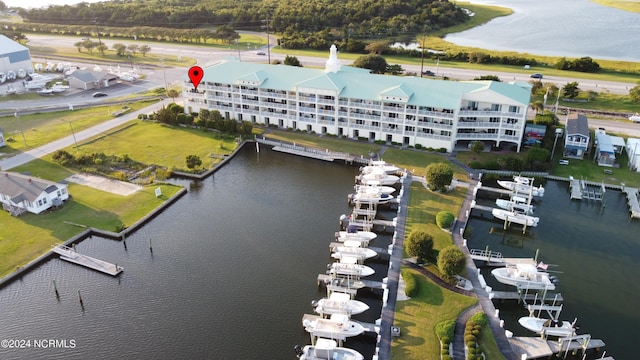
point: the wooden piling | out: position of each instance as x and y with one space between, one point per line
55 288
150 247
80 299
124 242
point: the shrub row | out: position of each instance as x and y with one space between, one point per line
471 332
411 288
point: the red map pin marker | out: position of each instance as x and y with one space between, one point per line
195 74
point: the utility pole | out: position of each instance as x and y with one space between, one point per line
95 20
268 42
20 124
422 55
72 133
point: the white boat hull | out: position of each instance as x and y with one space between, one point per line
515 217
348 235
339 303
350 269
526 277
333 328
522 188
538 326
326 349
519 207
358 252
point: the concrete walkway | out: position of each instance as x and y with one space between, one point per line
36 153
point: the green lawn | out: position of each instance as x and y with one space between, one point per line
43 128
417 161
26 237
425 204
627 5
153 143
418 317
488 344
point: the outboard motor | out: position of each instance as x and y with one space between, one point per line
298 350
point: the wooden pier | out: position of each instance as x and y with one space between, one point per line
514 295
70 255
493 258
580 190
536 347
632 201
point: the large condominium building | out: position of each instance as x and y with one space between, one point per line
351 102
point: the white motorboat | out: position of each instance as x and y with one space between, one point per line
22 73
380 188
353 234
516 204
11 89
348 266
370 196
11 75
379 165
337 326
3 77
326 349
523 186
526 276
378 177
548 326
45 92
359 253
515 217
339 303
635 117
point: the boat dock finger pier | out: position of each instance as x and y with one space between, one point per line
68 254
535 347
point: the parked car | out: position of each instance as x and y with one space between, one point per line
428 73
261 53
99 94
536 76
563 162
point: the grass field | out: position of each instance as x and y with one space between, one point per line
418 317
417 161
153 143
43 128
627 5
26 237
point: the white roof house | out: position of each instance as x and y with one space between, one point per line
633 151
14 56
20 193
349 101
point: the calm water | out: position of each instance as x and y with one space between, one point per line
572 28
233 270
235 262
597 252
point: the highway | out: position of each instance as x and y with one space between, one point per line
157 76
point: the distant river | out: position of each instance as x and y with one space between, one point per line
572 28
43 3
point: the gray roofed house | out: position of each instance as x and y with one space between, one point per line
88 79
577 136
20 193
14 56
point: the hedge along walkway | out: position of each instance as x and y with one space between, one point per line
458 352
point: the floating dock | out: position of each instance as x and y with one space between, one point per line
514 295
70 255
536 347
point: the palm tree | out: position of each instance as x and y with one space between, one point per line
173 94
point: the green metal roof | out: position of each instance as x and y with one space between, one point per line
358 83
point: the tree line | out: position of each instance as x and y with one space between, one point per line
358 19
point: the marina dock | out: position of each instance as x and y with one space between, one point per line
514 295
580 190
70 255
537 347
632 201
493 258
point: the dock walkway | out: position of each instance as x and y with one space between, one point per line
68 254
632 200
537 347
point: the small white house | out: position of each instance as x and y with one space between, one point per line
20 193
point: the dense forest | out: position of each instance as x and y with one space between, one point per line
300 23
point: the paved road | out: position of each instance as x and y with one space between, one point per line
49 148
208 56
